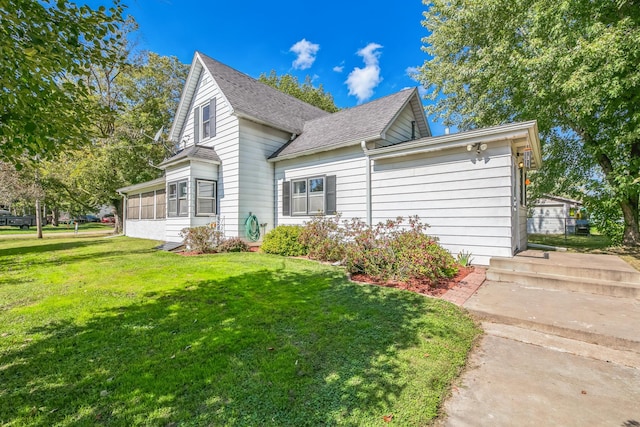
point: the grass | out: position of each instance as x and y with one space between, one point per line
97 331
573 242
62 228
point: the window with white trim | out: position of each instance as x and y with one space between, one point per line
178 200
206 122
205 197
308 196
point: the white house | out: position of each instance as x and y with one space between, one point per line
246 148
553 215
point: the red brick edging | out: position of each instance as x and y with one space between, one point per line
467 287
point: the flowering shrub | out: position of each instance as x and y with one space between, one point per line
284 240
233 244
389 250
202 239
324 238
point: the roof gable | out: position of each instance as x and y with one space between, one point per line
247 97
365 122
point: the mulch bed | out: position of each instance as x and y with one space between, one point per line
425 286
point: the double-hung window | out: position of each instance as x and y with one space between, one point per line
205 197
309 196
178 200
204 121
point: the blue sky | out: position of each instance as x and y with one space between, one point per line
357 50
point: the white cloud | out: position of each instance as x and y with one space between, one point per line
306 52
338 68
412 72
362 81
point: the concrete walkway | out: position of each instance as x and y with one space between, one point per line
552 356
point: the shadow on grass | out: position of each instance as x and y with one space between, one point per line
31 248
266 348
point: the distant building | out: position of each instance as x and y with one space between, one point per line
554 215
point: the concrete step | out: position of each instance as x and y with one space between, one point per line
597 319
563 345
570 283
589 266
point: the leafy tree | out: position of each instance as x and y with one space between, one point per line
147 91
48 48
306 91
572 65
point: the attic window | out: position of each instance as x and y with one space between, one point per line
204 121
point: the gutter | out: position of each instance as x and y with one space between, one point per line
456 140
323 149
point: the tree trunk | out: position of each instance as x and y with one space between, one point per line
117 213
38 218
55 216
631 236
630 204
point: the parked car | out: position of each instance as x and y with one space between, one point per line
108 219
92 218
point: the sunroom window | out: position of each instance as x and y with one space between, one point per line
206 197
177 200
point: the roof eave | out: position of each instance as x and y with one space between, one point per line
153 183
164 166
511 131
324 148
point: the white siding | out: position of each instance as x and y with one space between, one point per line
173 225
464 197
550 217
400 130
226 144
257 143
147 229
348 164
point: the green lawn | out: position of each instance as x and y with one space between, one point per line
577 243
108 331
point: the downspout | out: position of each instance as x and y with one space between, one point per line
367 174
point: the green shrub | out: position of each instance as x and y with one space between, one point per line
233 244
284 240
324 237
202 239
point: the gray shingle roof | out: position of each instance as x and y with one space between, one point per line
257 100
192 152
366 121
